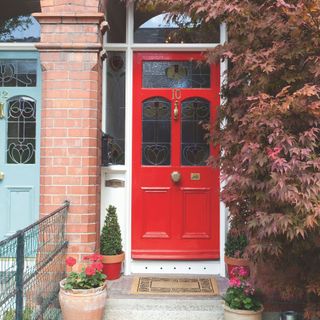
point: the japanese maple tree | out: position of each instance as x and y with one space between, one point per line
268 131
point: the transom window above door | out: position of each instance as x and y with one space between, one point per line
155 25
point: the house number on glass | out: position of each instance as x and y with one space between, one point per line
176 95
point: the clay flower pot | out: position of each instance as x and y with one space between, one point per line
112 266
78 304
236 262
234 314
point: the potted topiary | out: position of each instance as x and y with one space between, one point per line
241 301
83 294
111 245
234 252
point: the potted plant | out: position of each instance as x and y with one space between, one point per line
241 301
234 252
111 245
83 294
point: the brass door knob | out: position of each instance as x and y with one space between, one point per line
1 175
175 176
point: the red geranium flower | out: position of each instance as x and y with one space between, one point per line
90 270
98 266
71 261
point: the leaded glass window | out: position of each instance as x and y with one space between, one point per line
21 133
156 132
18 73
116 110
194 148
176 74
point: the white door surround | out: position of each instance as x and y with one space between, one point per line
121 197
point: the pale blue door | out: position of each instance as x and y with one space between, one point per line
20 101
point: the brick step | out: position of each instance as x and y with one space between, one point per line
164 309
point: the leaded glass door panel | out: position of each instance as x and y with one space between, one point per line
19 140
175 196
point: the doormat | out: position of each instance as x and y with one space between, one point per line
175 286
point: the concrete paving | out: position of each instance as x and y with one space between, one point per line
122 305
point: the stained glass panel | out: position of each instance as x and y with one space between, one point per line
18 73
194 148
176 74
21 141
116 109
156 128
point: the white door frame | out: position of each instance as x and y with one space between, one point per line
194 267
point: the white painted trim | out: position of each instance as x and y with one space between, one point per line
17 46
128 140
223 209
160 46
175 267
104 97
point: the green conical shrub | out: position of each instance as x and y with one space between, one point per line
110 240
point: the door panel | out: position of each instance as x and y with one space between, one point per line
174 97
153 227
20 79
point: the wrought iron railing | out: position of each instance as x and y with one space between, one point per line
31 266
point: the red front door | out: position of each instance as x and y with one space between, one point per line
175 195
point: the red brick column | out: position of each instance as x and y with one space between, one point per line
71 41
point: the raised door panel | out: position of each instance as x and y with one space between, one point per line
20 208
156 213
196 213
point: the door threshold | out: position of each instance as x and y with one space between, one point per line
158 267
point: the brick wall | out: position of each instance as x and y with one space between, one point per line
71 115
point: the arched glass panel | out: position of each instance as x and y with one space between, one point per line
21 133
19 29
154 26
156 132
194 148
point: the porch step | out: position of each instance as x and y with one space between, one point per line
164 309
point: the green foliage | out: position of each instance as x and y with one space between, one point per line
110 240
235 245
11 314
79 280
235 298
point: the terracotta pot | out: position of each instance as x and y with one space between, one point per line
236 262
112 266
234 314
82 304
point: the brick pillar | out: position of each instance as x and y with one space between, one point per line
71 41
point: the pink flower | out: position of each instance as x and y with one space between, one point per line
71 261
90 270
243 272
97 265
235 282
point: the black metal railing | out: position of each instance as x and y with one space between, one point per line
32 262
